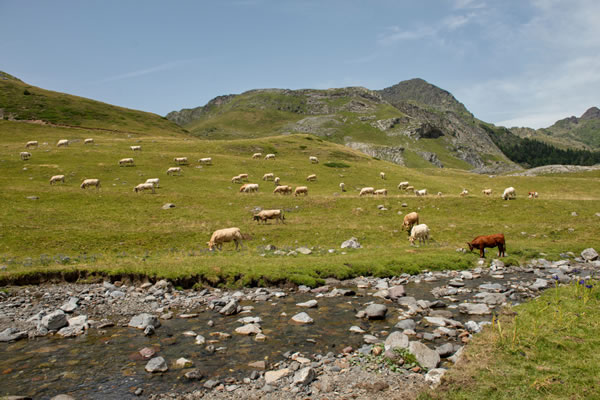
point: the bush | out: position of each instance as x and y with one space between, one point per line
336 165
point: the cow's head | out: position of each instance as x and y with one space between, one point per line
470 246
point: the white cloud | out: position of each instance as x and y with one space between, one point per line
456 21
146 71
395 34
462 4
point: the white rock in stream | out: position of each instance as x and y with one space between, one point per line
302 318
183 363
356 329
157 364
308 304
474 309
426 357
200 340
248 329
273 376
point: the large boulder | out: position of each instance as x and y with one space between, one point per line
10 334
55 320
396 340
141 321
426 357
351 243
589 254
376 311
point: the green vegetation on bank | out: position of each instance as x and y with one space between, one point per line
117 231
547 348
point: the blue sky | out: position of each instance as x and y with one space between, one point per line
511 62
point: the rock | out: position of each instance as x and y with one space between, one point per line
200 340
33 197
308 304
406 324
183 363
426 357
396 292
141 321
262 365
302 318
434 376
274 376
574 214
356 329
472 326
70 305
435 321
147 352
260 337
167 206
589 254
472 308
539 284
351 243
396 340
445 350
211 384
248 329
456 356
54 321
491 298
304 250
376 311
62 397
157 364
230 308
491 287
149 330
138 391
193 375
250 320
370 339
10 334
304 376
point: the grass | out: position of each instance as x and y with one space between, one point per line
547 348
116 231
26 102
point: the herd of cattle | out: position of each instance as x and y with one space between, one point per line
415 230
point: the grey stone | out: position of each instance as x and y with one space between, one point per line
10 334
157 364
396 340
376 311
472 326
406 324
491 298
302 318
230 308
491 287
62 397
370 339
539 284
589 254
356 329
396 292
55 320
472 308
70 305
210 384
304 376
426 357
167 206
149 330
445 350
141 321
351 243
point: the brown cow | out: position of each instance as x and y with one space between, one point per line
481 242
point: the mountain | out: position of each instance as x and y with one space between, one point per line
21 101
412 123
571 132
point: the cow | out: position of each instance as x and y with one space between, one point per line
481 242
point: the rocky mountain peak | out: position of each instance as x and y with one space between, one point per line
591 113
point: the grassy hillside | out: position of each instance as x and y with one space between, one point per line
21 101
115 230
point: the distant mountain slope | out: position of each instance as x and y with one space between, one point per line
387 124
20 101
571 132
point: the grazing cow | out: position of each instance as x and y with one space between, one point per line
421 193
270 156
342 187
283 189
402 185
314 159
180 160
62 142
311 178
382 175
301 190
31 143
223 236
174 170
509 193
265 215
481 242
25 155
88 141
464 193
410 219
257 155
487 192
136 148
532 195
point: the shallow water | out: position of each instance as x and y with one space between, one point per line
107 364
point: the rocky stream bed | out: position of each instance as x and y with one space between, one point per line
365 338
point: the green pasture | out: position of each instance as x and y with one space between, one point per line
117 231
547 348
